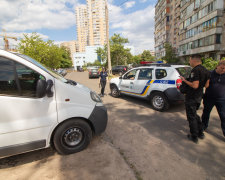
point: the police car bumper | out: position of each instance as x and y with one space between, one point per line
174 95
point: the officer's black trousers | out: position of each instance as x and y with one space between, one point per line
103 83
194 120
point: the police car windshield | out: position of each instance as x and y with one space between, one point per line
54 74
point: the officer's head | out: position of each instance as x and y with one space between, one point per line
220 69
195 60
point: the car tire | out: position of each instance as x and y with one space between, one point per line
159 101
115 91
72 136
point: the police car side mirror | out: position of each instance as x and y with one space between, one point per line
41 88
120 77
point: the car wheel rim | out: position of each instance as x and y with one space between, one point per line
158 102
73 136
114 91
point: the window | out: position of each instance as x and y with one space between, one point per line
130 75
8 85
160 73
17 79
218 38
145 74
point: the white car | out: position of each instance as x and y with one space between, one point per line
158 83
39 108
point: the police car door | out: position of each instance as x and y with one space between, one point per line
127 83
143 82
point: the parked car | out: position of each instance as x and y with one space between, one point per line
93 73
39 109
158 83
62 72
119 70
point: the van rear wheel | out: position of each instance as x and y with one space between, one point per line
72 136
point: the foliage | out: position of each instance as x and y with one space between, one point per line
170 56
146 56
96 63
209 63
46 53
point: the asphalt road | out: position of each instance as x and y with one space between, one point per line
139 143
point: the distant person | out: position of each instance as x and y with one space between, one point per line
102 80
196 82
215 96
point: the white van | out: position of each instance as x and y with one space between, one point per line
39 108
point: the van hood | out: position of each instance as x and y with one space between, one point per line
83 87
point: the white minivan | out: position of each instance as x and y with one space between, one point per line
39 108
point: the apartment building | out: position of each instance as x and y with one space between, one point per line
91 24
82 27
167 14
72 46
202 28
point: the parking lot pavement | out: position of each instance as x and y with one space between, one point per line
139 143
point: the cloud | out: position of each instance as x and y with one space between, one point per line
138 27
143 1
129 4
22 15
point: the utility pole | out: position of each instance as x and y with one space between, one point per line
107 37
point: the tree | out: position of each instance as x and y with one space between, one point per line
209 63
146 56
170 56
46 53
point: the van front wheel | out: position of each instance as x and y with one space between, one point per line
72 136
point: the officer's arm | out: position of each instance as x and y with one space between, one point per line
194 84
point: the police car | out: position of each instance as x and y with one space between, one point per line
158 83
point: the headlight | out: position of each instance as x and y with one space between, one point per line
95 97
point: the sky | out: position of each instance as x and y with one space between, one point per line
55 20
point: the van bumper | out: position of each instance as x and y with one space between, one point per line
99 119
174 95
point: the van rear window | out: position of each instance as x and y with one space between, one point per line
184 71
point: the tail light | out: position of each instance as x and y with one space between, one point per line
89 72
124 69
178 83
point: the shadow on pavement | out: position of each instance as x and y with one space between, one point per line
172 128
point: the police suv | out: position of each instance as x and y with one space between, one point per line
158 83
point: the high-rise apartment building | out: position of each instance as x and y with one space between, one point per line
166 25
82 27
202 28
91 24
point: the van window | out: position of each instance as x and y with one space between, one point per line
8 84
160 73
17 79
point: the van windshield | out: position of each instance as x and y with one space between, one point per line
54 74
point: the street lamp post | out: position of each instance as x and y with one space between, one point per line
107 37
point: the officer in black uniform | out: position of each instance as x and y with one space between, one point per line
196 82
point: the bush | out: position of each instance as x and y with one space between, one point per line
209 63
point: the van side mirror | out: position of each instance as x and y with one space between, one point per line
49 88
41 88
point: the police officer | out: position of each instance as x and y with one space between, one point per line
196 82
102 81
215 96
